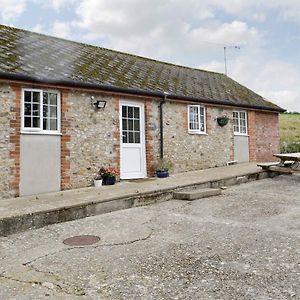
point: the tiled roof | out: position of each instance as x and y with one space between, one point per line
45 57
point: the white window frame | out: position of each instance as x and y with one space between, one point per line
197 131
40 130
238 132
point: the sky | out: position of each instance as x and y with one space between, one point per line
262 37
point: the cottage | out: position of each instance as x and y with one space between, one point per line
68 108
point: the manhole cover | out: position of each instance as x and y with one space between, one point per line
81 240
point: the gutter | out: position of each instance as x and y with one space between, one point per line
133 91
161 115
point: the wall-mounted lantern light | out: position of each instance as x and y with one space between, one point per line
98 103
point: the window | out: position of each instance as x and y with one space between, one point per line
131 131
240 122
40 111
196 119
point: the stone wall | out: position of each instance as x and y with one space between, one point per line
92 136
196 151
7 162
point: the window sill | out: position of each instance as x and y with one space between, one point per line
40 133
197 133
240 134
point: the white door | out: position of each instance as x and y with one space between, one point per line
132 150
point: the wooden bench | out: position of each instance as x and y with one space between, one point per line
266 166
275 167
282 170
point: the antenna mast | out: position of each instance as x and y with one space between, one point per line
225 60
225 56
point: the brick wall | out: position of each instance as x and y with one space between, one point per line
9 140
267 136
65 140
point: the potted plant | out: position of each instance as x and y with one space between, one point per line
162 168
108 175
98 179
223 120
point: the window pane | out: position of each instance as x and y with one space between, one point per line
45 111
36 97
53 98
35 109
53 111
27 109
27 121
125 136
45 98
45 124
130 112
124 124
27 96
131 137
202 123
53 124
136 113
137 137
130 124
124 111
35 122
137 125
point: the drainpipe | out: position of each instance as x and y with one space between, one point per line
162 102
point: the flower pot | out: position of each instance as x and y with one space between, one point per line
222 121
162 174
109 180
97 182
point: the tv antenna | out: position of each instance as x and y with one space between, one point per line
225 55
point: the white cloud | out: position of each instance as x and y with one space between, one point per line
273 79
61 29
57 5
160 29
10 10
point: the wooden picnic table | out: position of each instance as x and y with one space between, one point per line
293 158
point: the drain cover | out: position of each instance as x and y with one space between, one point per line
81 240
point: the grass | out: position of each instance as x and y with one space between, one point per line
289 125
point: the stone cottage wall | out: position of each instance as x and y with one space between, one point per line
92 136
196 151
9 141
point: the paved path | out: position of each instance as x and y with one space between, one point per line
19 214
243 244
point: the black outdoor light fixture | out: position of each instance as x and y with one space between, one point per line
98 103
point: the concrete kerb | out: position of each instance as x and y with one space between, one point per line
19 223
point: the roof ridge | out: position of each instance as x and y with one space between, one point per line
114 51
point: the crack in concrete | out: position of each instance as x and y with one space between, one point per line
58 288
28 263
2 275
127 242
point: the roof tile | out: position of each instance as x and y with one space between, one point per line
28 53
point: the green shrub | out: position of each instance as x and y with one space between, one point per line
289 146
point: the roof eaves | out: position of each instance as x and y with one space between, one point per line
134 91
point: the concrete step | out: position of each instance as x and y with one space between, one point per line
196 194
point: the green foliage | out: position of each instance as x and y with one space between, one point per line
163 165
289 124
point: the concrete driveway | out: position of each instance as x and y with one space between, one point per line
243 244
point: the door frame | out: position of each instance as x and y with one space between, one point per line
141 105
